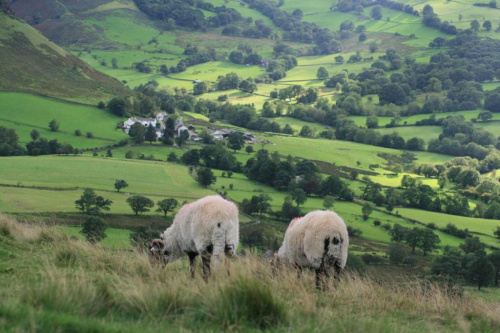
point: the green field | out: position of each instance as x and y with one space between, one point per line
483 227
24 112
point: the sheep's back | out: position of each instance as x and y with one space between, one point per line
304 243
197 222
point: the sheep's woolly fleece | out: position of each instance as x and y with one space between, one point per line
211 220
320 236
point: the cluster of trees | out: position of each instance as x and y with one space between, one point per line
245 55
358 5
302 95
286 175
187 13
469 263
295 29
9 143
258 30
92 204
416 238
431 19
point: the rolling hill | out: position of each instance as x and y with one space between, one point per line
29 62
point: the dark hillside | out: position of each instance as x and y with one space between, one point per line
29 62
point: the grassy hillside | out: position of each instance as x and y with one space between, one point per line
40 66
24 112
62 284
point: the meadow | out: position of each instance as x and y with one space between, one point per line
68 285
25 112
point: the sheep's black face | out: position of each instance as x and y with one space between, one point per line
333 249
167 255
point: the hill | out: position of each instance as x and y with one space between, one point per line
29 62
62 284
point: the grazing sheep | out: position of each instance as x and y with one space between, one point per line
318 240
208 226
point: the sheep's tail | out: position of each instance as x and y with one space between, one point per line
219 244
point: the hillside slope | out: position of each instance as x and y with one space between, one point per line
31 63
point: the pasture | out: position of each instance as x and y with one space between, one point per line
25 112
483 228
340 152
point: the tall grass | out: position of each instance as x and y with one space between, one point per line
80 280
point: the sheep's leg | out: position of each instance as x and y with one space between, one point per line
321 277
299 271
229 252
205 258
192 257
338 270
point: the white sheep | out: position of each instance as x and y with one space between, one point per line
208 227
318 240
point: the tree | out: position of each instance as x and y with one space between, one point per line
376 12
322 73
54 125
372 121
479 270
249 149
93 229
413 237
497 233
494 258
92 204
429 241
137 133
172 157
182 138
206 177
299 195
119 184
485 115
235 141
474 25
140 204
396 253
328 202
166 205
200 88
117 106
487 25
306 131
472 245
339 59
34 134
150 134
398 233
367 209
373 47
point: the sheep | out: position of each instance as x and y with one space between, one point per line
318 240
207 227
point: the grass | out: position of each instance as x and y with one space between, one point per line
41 66
483 227
25 112
53 184
339 152
69 285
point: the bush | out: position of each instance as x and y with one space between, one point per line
93 229
372 259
